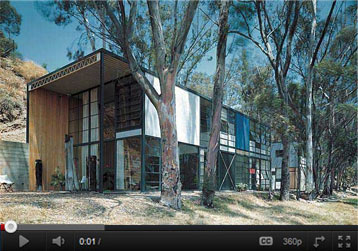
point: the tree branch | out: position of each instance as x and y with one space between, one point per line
183 33
158 37
323 34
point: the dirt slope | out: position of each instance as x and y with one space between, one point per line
14 74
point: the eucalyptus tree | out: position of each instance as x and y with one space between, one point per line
209 185
310 58
275 28
119 27
167 58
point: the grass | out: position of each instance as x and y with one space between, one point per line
143 208
351 201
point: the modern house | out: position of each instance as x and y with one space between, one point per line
116 131
296 164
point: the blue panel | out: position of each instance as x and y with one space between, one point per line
242 132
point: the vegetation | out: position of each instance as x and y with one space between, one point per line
231 208
10 22
58 179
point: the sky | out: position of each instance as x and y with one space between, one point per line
40 40
44 42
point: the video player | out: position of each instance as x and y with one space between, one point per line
212 124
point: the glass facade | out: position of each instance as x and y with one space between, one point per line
123 155
242 170
226 171
152 156
129 105
189 166
205 122
129 164
83 126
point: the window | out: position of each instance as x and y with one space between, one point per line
227 131
109 111
279 153
205 121
241 170
129 104
83 117
94 106
80 154
202 167
224 126
189 164
129 164
265 175
152 153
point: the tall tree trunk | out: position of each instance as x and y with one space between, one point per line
171 185
209 185
299 178
331 187
309 102
326 185
285 172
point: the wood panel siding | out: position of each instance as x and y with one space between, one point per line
48 124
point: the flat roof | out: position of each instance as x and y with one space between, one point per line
84 73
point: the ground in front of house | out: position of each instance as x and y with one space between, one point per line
246 208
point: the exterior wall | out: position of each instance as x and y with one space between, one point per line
294 159
187 115
14 162
152 127
48 124
277 161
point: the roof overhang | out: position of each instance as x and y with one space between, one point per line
83 74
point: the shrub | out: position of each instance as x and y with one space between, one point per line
241 187
58 179
10 108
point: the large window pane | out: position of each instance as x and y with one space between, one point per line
189 164
242 170
129 105
205 121
152 163
129 164
80 161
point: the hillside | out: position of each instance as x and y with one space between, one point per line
14 74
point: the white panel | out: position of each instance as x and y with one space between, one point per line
136 132
152 127
224 148
223 135
187 116
231 149
278 185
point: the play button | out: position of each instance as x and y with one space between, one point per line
23 241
